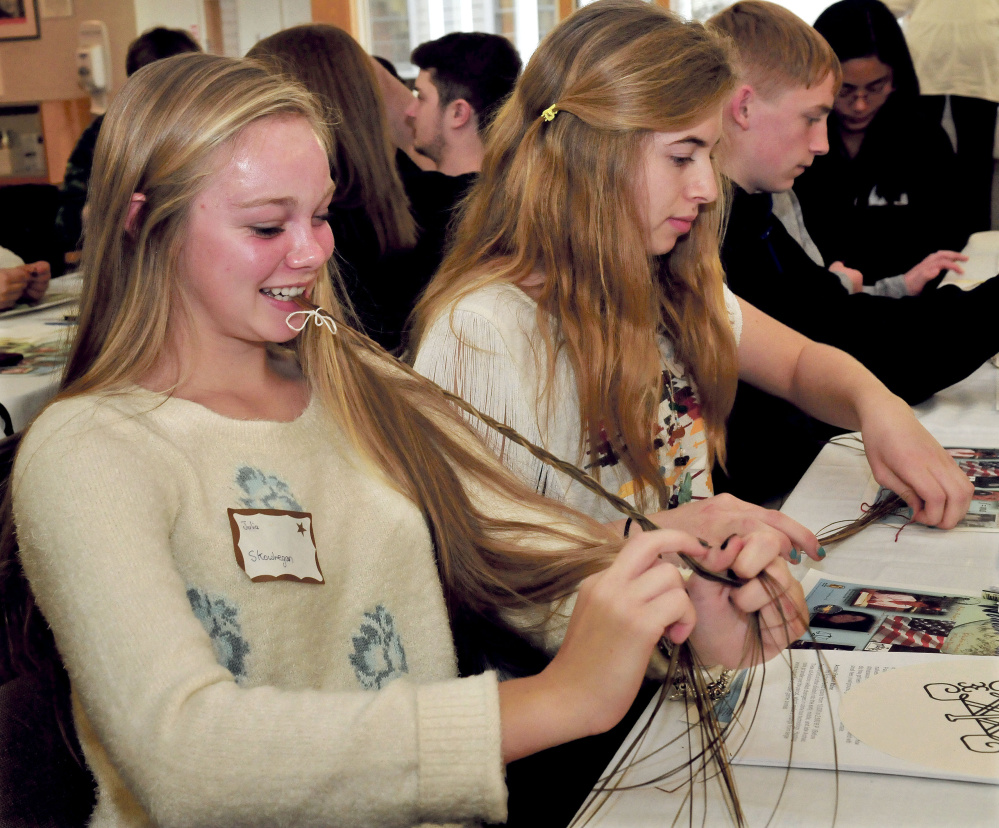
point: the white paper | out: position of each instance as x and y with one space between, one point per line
943 714
772 740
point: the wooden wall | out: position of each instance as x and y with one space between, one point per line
338 12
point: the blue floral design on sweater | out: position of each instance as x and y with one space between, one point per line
378 655
265 491
221 622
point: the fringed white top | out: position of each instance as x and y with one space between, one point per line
490 351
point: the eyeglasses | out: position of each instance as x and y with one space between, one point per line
851 93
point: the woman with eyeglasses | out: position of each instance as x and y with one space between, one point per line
882 201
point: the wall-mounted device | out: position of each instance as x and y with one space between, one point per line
93 63
22 150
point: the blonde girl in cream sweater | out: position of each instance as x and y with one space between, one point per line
250 556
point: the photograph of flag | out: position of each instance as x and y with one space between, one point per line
921 633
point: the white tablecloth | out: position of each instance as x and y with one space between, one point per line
832 489
24 394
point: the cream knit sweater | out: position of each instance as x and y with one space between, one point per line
203 697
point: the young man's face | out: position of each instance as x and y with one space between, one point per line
788 130
426 117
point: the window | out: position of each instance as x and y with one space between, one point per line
393 28
807 10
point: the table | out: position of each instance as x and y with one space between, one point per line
962 415
23 395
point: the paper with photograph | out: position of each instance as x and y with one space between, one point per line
981 465
936 716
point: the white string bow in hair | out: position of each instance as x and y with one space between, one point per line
317 317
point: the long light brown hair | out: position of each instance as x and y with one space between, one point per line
165 134
332 66
557 198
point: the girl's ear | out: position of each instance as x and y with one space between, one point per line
134 205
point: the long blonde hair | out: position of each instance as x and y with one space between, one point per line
162 137
334 68
556 198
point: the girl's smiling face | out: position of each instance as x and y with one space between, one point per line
257 234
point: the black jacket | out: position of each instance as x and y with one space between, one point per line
383 287
889 207
916 345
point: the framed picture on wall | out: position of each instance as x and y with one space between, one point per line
18 19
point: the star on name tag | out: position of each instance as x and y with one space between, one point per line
275 545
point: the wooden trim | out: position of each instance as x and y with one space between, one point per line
567 7
338 12
214 37
9 180
62 124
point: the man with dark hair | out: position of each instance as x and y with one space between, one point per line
156 44
464 78
152 45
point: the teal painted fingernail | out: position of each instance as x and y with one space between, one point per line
822 551
795 556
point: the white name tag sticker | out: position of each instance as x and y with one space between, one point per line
275 545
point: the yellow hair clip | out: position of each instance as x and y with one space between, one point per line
550 113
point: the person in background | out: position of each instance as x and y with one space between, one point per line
583 301
389 227
955 48
387 65
249 556
21 281
397 97
464 78
774 127
152 45
874 200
